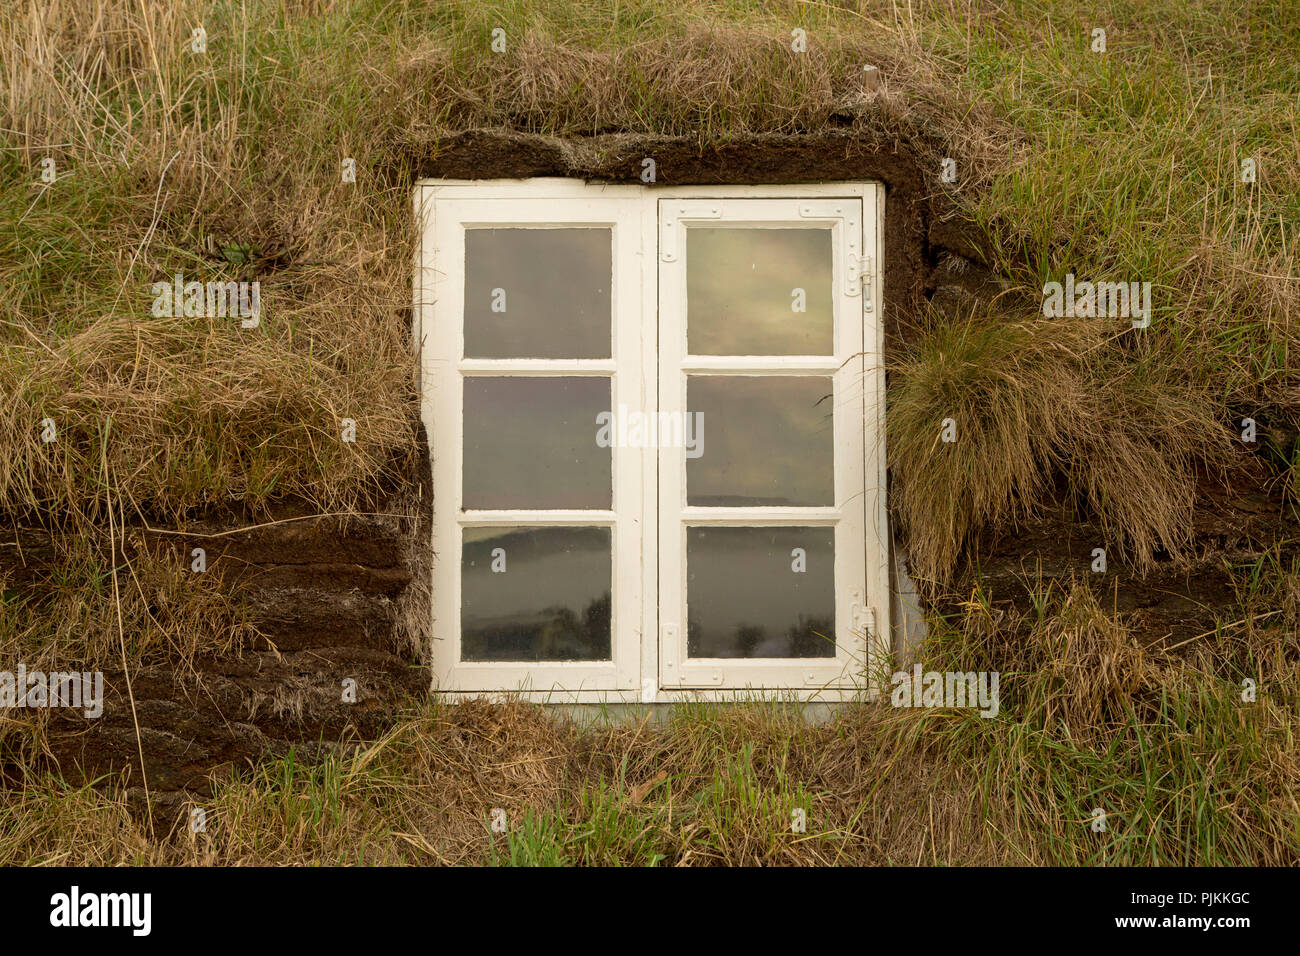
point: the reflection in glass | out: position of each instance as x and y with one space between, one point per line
746 599
739 291
530 442
554 288
535 594
768 441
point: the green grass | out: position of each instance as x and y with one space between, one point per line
252 132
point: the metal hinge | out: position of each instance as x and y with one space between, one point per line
848 212
864 615
702 675
864 619
677 674
822 210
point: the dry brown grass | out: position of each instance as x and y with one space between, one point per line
1187 771
1032 400
72 619
699 794
170 156
190 412
169 613
1078 672
1186 774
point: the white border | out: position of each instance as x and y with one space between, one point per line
429 192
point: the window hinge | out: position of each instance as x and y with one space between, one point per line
868 301
864 619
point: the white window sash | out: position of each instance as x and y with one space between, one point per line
847 516
444 370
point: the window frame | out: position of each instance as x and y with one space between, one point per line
844 217
635 674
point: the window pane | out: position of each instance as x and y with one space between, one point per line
535 594
759 291
760 592
537 293
767 440
530 442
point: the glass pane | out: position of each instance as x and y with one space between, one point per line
759 291
537 293
760 592
767 440
530 442
535 594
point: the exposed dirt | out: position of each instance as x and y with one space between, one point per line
324 597
1175 602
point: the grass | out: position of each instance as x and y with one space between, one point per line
1187 768
168 157
1030 402
1186 771
224 165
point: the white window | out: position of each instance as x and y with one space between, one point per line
656 425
